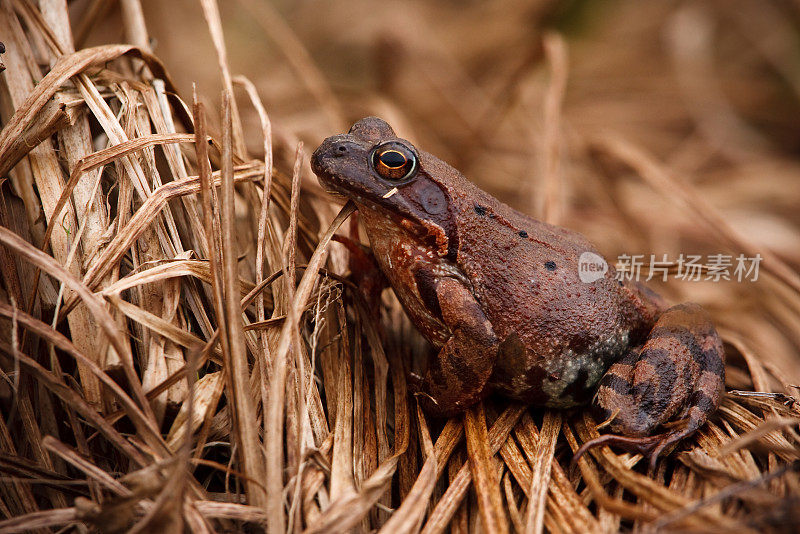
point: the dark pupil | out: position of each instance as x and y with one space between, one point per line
393 159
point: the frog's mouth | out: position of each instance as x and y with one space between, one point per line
332 188
334 185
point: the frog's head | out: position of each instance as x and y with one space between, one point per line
365 163
386 174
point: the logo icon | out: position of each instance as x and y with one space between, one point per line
591 267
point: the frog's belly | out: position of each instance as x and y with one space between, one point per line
558 379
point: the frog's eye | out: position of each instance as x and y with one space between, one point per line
394 161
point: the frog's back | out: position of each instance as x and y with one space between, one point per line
559 334
526 272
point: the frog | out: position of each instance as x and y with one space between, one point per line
501 298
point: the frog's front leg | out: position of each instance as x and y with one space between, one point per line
678 376
456 377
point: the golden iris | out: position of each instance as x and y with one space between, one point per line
393 161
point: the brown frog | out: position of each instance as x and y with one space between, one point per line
500 297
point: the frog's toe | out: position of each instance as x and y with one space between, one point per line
651 447
646 446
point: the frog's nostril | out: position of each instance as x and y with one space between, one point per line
340 149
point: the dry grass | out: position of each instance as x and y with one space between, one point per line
182 349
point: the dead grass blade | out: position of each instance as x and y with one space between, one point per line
556 53
236 361
540 472
408 518
274 413
763 429
39 520
211 13
299 59
351 507
487 485
728 492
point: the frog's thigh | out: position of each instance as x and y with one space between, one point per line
457 376
678 374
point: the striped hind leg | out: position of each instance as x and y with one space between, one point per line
676 380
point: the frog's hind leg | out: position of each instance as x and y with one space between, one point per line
675 380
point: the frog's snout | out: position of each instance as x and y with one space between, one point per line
331 161
320 156
332 147
324 159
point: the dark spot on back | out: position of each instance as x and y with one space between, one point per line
550 265
480 210
523 234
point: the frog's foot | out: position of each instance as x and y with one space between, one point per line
644 446
678 375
